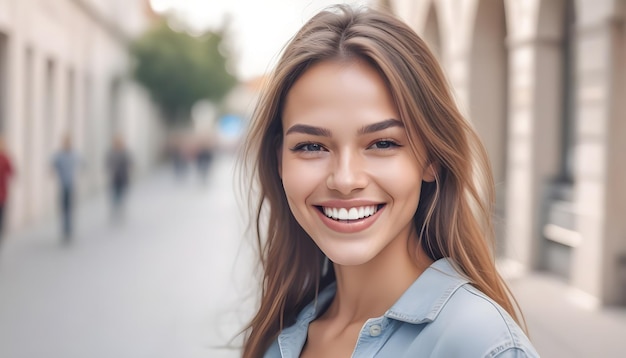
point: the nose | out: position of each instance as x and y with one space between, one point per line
348 174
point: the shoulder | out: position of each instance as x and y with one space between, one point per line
444 316
470 324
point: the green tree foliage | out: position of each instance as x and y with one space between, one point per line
179 69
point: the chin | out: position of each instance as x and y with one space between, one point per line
347 258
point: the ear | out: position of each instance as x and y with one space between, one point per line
430 172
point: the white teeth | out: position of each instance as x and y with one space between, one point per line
350 214
353 214
343 214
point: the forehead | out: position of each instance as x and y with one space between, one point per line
335 76
351 89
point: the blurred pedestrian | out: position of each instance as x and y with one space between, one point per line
204 158
119 164
6 172
66 164
375 204
177 156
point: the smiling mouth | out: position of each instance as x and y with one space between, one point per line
350 214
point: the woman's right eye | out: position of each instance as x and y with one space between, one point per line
308 147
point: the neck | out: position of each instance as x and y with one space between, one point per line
369 290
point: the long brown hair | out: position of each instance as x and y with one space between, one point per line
453 218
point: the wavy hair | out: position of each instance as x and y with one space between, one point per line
453 218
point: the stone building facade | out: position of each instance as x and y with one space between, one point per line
544 83
64 68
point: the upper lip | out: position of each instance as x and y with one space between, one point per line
353 203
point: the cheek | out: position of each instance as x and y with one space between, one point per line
300 178
402 179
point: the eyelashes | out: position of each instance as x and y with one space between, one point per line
381 144
308 147
384 144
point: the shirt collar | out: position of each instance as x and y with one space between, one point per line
425 298
311 311
421 302
292 339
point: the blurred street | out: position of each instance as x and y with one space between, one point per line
170 280
166 282
94 92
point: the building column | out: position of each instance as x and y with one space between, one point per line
534 115
599 262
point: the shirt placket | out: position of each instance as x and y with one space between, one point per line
373 335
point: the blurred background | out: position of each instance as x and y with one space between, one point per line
119 125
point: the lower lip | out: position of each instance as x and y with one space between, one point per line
352 226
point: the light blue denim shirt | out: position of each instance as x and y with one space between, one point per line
439 316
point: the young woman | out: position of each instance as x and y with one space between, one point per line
375 204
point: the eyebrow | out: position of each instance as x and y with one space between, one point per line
306 129
323 132
376 127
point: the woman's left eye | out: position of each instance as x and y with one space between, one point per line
384 144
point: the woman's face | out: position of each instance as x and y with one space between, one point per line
348 171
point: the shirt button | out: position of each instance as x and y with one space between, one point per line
375 330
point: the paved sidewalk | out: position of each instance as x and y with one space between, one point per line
173 280
563 325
